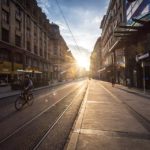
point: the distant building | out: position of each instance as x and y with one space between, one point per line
70 68
96 60
28 42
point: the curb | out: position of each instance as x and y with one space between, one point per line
74 135
134 92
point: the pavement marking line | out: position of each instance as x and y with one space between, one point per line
139 117
49 130
28 122
132 91
75 135
98 102
117 99
114 133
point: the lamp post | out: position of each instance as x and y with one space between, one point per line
144 85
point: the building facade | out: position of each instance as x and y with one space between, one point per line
28 42
96 60
138 64
126 55
112 54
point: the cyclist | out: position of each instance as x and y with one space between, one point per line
28 85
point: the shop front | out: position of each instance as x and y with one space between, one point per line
144 61
5 72
120 66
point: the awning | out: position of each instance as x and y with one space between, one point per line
28 71
101 70
130 1
142 56
140 25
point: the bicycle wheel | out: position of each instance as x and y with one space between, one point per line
30 99
19 103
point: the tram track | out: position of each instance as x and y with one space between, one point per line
57 120
6 140
7 106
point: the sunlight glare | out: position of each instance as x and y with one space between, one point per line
83 62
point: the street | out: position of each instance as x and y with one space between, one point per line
75 75
24 129
85 114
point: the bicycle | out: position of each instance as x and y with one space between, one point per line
24 99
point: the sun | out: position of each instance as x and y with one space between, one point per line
83 62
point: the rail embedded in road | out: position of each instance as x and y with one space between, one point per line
67 99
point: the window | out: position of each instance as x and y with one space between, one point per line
35 40
18 11
28 34
5 16
35 49
45 54
35 29
4 55
18 40
41 34
28 61
5 2
5 35
45 36
28 22
49 56
17 58
28 4
18 25
55 51
28 46
41 52
120 17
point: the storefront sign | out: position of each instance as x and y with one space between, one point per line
141 57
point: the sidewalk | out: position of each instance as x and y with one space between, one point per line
139 92
7 92
104 123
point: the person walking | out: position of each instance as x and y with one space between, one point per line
113 81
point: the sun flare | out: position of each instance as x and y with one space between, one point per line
83 62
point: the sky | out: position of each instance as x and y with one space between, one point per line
83 17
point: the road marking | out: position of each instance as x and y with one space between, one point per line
116 98
133 135
98 102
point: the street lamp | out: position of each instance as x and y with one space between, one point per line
144 85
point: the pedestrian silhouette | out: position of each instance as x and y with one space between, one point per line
113 81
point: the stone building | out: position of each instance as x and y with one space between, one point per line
70 68
112 54
137 48
28 42
126 54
